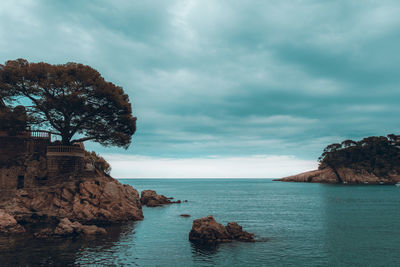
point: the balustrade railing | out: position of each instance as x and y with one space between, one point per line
64 149
40 134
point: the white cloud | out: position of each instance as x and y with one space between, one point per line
256 166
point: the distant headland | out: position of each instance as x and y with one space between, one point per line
372 160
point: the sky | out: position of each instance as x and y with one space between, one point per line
225 88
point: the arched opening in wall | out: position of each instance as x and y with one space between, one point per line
20 183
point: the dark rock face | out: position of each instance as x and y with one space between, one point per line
207 231
8 224
237 233
342 175
150 198
67 228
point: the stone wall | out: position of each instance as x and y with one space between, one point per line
27 162
11 148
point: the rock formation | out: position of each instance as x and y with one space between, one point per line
150 198
66 228
99 199
342 175
8 224
207 231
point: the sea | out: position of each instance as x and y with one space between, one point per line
295 224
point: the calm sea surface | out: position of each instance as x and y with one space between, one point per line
297 224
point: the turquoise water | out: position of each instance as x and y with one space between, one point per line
297 224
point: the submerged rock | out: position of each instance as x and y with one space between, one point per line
8 224
207 231
150 198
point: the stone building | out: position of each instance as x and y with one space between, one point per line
30 159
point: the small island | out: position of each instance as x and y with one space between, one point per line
372 160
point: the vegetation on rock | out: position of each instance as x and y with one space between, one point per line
376 154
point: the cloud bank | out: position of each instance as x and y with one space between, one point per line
233 79
259 166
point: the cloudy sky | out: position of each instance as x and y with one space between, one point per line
225 88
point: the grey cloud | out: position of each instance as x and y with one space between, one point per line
211 78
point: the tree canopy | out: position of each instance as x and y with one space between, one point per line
375 154
12 121
72 100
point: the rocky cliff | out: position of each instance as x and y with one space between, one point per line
90 201
343 175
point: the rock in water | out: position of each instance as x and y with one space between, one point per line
207 231
8 224
67 228
237 233
150 198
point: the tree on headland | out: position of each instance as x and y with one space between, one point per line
376 154
72 100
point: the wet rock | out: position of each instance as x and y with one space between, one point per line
185 215
93 230
237 233
8 224
150 198
68 228
207 231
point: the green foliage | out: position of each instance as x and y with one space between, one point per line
71 99
13 121
376 154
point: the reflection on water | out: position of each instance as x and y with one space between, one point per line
24 250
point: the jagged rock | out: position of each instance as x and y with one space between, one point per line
8 224
207 231
99 199
342 175
67 228
237 233
150 198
